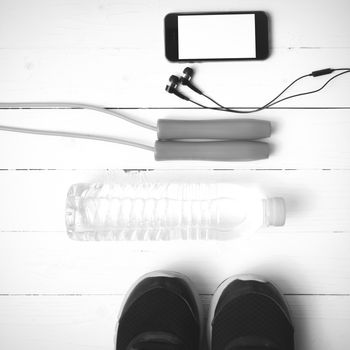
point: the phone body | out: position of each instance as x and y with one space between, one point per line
216 36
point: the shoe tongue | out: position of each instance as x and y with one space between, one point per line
156 341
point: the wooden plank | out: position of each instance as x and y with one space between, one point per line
321 322
127 77
317 201
137 24
113 53
301 139
50 263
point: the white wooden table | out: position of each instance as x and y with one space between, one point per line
59 294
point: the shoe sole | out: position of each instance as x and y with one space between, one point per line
218 292
170 274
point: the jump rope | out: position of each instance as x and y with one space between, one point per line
212 140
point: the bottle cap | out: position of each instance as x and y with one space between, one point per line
275 211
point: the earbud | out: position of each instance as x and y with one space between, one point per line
187 74
172 87
174 82
186 80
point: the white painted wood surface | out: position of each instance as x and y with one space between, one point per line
111 53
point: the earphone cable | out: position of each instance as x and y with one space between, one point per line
212 100
312 91
283 91
255 109
203 106
273 101
77 135
20 105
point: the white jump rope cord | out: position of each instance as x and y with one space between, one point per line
77 135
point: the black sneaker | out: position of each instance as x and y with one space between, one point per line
161 312
249 314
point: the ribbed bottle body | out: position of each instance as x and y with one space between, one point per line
160 211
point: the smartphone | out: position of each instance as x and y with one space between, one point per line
216 36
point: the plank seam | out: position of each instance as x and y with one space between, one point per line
123 294
179 108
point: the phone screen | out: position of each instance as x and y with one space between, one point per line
221 36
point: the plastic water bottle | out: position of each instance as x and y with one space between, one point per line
159 211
